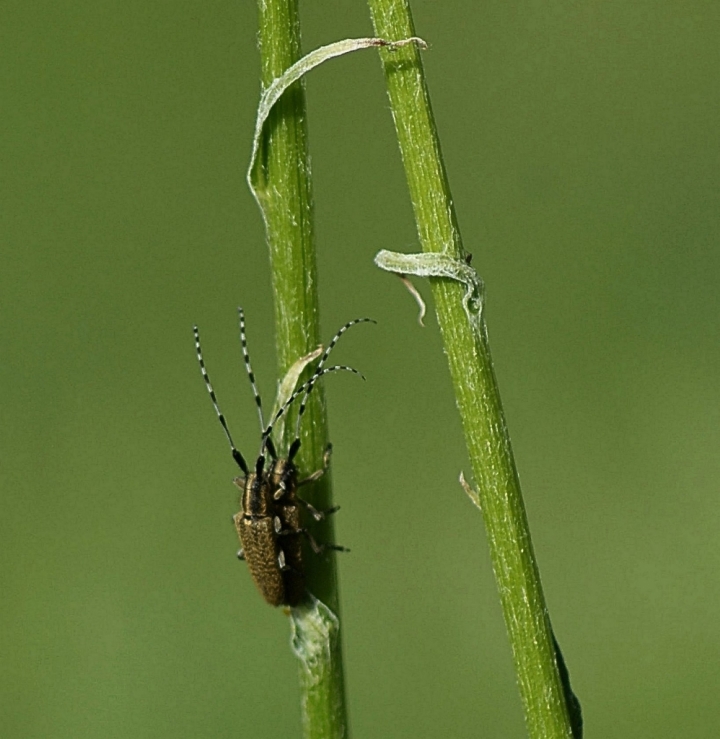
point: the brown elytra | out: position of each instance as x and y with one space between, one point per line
269 529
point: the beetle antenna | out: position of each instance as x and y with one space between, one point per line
248 367
304 389
239 459
318 373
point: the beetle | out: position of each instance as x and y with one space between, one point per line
269 529
269 523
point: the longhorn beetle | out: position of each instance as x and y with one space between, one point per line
268 524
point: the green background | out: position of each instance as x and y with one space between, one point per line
581 140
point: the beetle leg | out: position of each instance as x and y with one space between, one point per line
314 512
320 548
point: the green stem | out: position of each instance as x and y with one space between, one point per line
475 385
284 192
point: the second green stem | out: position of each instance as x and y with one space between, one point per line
284 191
476 389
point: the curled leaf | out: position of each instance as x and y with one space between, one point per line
295 72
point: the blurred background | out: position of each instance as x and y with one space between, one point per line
581 140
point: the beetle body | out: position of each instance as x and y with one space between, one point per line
269 529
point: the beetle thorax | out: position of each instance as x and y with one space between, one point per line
257 496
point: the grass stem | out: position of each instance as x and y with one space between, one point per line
283 188
476 389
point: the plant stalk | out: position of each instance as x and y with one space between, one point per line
476 389
284 192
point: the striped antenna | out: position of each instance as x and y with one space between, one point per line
319 368
304 389
248 367
236 454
